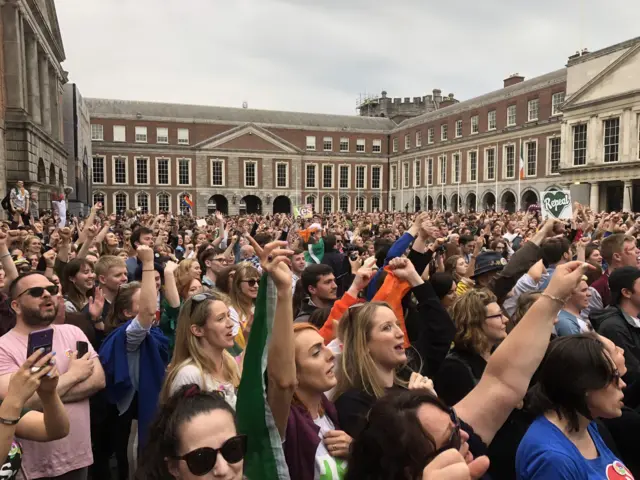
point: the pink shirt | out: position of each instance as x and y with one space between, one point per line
50 459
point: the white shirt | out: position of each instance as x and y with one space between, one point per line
327 467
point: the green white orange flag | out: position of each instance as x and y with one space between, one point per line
265 457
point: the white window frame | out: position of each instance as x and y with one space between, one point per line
137 196
516 162
555 103
224 171
417 171
429 165
182 138
431 135
364 203
325 141
604 138
376 197
97 132
512 120
178 172
492 120
104 199
526 157
456 167
364 177
394 177
549 151
395 144
333 171
348 198
315 175
286 174
380 170
158 200
168 171
361 145
313 203
115 203
469 152
104 169
117 130
459 128
180 207
244 173
418 138
531 111
340 167
406 175
407 141
310 144
442 171
159 136
126 169
444 132
324 197
376 146
344 140
475 125
573 143
487 178
148 160
141 134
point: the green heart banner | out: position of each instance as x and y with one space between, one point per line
556 204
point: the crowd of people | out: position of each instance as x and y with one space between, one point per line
356 346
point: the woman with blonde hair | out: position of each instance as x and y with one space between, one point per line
190 268
480 327
457 266
186 284
243 293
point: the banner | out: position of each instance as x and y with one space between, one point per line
557 204
304 211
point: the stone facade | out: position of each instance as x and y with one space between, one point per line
399 109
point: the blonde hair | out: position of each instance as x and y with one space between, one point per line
184 278
108 262
239 300
357 369
469 313
189 351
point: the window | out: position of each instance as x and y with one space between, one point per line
376 178
99 197
217 172
532 158
580 144
377 146
393 203
510 161
491 120
360 203
142 202
611 139
557 99
327 144
97 132
407 142
119 133
416 173
344 172
164 201
183 136
532 109
250 173
475 128
344 144
490 158
122 202
456 168
142 171
473 166
405 175
141 134
511 115
430 135
120 170
344 204
360 145
311 200
327 176
162 171
394 177
429 171
444 132
98 169
184 171
395 144
361 176
458 128
375 204
327 204
311 176
555 145
442 166
418 138
311 143
183 205
162 135
282 175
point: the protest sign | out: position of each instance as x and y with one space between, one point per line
557 204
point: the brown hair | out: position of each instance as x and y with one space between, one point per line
450 265
239 301
121 302
469 313
614 244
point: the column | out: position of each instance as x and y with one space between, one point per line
45 102
53 97
594 197
32 78
626 199
13 56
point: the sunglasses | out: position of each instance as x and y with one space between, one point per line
202 460
455 440
37 292
252 283
198 298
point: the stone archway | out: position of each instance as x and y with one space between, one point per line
508 201
441 202
42 172
471 202
218 203
52 174
428 203
455 203
282 204
529 198
489 201
250 204
416 203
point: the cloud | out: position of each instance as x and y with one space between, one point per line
318 56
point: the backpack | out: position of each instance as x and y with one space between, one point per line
6 202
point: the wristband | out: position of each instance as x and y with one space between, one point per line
149 270
5 421
5 256
555 299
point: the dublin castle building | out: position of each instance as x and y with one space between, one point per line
575 128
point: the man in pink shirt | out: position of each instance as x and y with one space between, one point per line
33 298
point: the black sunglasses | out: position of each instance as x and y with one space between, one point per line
197 299
202 460
36 292
252 283
455 440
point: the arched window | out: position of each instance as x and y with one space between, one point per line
142 202
393 203
344 204
99 197
360 203
122 202
311 200
375 204
327 204
164 202
185 203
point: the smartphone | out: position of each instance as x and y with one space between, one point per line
82 348
40 339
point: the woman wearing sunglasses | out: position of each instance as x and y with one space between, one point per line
243 293
194 436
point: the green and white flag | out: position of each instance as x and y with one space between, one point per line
265 457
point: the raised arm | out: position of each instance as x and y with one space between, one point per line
170 288
148 294
8 266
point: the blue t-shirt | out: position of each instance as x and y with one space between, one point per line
545 453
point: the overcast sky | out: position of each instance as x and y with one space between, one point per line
320 55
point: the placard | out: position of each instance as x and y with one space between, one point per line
304 211
201 222
557 204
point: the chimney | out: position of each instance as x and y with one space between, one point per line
446 101
513 80
437 95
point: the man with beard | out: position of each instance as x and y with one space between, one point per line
34 301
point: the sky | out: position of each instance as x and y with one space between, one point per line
321 55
